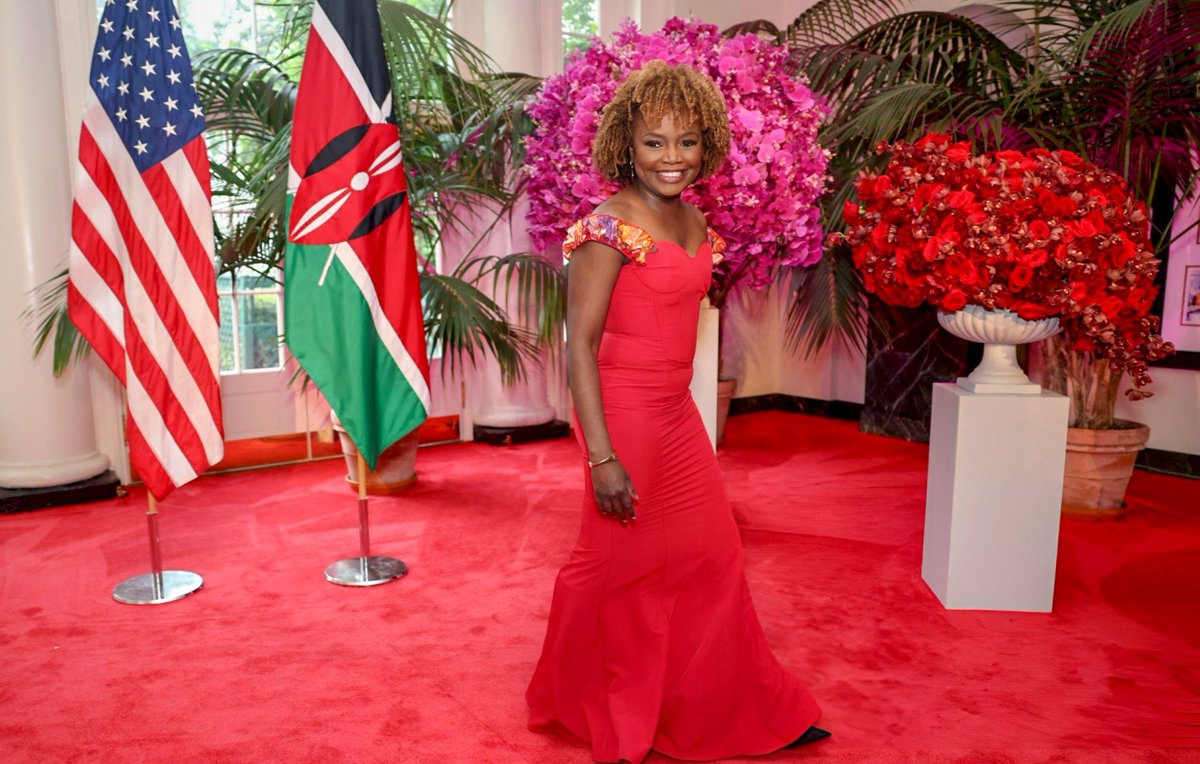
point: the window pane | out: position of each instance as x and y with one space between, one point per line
209 24
580 17
228 359
432 7
580 21
224 283
249 280
258 324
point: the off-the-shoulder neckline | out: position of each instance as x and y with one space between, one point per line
708 234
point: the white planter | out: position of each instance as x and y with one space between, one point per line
1000 331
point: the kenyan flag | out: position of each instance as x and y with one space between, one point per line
353 300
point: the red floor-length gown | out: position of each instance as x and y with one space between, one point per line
653 642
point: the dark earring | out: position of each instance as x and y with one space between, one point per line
626 169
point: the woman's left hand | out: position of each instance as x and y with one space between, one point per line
613 491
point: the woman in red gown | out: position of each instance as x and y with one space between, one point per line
653 642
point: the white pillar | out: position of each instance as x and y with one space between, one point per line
704 369
46 425
613 12
521 35
654 13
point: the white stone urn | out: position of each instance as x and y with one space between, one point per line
1000 331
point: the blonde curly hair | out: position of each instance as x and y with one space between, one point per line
653 92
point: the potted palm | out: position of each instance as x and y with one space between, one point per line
449 101
1114 81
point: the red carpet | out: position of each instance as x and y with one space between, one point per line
270 663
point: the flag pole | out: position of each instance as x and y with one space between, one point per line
366 569
157 586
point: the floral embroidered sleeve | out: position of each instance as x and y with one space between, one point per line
627 239
716 245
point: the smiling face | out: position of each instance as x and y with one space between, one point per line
666 157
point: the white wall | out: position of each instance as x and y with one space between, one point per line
1173 412
755 351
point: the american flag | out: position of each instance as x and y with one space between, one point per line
141 286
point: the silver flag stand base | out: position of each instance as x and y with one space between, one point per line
154 589
157 586
365 571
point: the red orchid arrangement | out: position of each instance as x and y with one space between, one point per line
1039 233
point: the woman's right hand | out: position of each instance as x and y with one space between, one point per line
614 492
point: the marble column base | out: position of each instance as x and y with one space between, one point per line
98 488
510 436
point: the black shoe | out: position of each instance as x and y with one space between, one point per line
811 735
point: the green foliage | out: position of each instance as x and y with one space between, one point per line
48 315
1116 81
540 287
579 17
461 123
463 322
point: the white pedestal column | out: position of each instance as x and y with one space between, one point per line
520 35
992 506
704 370
613 12
46 426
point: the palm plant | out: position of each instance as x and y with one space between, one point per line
1116 81
460 123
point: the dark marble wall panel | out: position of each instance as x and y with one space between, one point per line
907 351
98 488
796 404
1169 462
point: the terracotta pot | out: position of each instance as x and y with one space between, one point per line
725 390
395 470
1099 465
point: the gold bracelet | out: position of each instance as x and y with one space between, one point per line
610 458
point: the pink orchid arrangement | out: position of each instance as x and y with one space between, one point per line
762 201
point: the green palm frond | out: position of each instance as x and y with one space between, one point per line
244 94
914 109
828 301
463 324
537 285
48 316
1116 81
932 48
835 21
760 27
